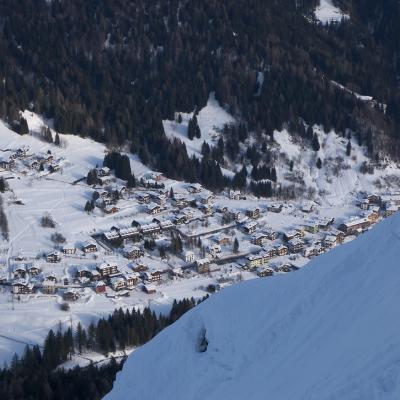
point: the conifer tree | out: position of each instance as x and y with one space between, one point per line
235 245
57 141
23 126
88 206
348 148
315 143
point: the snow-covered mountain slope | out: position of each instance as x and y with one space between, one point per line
328 331
326 12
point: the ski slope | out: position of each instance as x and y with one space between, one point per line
328 331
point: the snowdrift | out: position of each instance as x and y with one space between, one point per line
328 331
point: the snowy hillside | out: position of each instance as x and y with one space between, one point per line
329 331
211 120
326 12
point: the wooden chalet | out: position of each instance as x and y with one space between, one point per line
275 208
373 214
214 249
234 194
364 204
100 287
268 253
69 248
293 234
112 236
139 267
19 271
282 250
151 229
103 171
265 272
132 280
284 268
51 277
6 165
111 209
154 277
206 198
149 289
118 283
129 234
311 227
21 287
310 252
203 265
49 287
223 240
307 208
189 257
71 295
143 198
194 188
390 209
89 248
250 227
83 272
325 224
254 261
295 245
236 215
180 201
166 225
153 209
330 241
107 269
355 226
53 257
180 219
132 252
259 239
374 199
158 198
253 213
206 209
33 270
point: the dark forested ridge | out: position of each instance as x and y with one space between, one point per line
113 70
35 375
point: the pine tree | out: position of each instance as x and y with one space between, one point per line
88 206
273 174
46 134
191 130
91 178
23 126
348 148
315 143
131 183
57 141
236 245
3 185
171 193
123 168
319 163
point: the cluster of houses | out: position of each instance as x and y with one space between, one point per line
166 213
28 277
22 160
